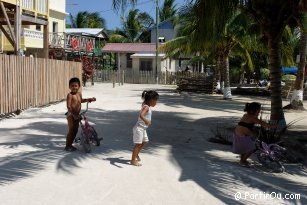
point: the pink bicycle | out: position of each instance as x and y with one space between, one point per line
88 135
271 156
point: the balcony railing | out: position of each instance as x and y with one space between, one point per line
57 40
32 34
35 6
71 42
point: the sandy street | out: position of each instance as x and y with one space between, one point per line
180 166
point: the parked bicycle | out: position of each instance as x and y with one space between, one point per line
88 136
271 156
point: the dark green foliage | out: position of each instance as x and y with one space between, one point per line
273 135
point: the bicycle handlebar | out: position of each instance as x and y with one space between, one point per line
82 113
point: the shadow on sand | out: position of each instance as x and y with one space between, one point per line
218 174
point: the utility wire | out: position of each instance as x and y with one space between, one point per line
138 4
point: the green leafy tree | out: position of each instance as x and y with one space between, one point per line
297 97
122 4
168 11
85 19
134 27
219 45
271 15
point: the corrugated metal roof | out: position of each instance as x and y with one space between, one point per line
93 31
97 32
147 55
129 47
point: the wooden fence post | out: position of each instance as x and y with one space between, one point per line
123 77
113 79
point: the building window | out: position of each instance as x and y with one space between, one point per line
146 65
38 27
54 27
129 60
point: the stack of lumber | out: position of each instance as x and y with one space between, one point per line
196 84
256 91
305 93
287 89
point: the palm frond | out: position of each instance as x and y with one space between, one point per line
168 10
122 4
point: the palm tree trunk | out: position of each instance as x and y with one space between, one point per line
225 66
220 75
297 96
277 113
242 71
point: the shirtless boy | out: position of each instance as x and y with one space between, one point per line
74 100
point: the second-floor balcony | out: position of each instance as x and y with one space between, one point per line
37 8
71 42
68 42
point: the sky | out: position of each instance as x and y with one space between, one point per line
104 7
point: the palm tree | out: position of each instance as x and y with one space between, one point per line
232 37
84 19
271 15
182 45
297 96
168 11
134 27
235 40
122 4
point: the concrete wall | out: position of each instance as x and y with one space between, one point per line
163 64
58 17
169 65
168 34
135 64
58 5
123 61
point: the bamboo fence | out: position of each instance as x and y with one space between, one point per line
146 77
31 82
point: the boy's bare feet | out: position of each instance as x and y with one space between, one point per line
245 164
138 158
135 163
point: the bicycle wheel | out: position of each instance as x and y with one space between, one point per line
291 158
77 139
94 135
85 143
270 164
284 155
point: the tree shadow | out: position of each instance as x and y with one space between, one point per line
212 102
216 169
212 166
117 160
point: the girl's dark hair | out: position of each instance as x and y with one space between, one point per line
74 80
252 108
149 95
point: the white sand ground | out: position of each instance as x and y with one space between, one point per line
179 165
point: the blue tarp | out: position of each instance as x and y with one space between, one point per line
289 71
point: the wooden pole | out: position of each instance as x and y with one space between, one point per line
8 22
123 77
7 35
46 41
17 30
118 68
113 79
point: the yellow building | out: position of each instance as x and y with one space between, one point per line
40 20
